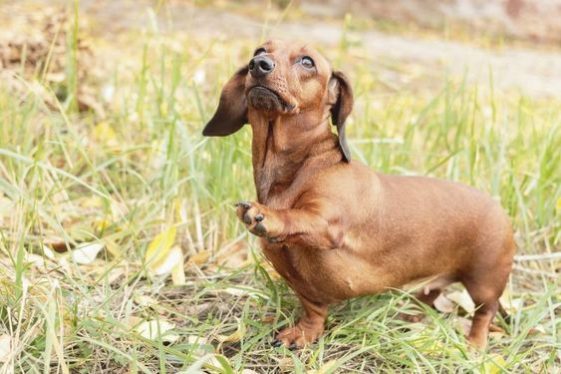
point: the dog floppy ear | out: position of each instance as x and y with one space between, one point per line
341 99
231 114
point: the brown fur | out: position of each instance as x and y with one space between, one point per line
333 228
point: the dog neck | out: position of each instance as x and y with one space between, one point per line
286 150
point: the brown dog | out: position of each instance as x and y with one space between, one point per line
333 228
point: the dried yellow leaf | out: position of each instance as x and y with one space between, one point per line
200 258
102 224
159 248
494 365
113 248
104 133
234 337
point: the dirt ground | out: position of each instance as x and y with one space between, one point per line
401 60
533 72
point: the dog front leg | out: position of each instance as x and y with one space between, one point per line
308 329
304 227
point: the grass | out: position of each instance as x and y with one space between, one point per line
72 177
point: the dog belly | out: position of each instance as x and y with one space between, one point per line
329 276
335 275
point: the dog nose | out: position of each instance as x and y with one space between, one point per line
259 66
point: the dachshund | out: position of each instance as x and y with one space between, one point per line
333 228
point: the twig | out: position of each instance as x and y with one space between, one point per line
541 257
536 272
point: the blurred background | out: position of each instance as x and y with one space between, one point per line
119 247
515 39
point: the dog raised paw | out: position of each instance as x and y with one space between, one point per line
259 220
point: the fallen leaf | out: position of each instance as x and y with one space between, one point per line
212 361
145 300
112 274
157 329
286 364
178 271
113 248
102 224
235 336
159 247
132 321
167 264
57 244
426 344
443 304
537 330
328 367
103 133
232 338
235 291
199 258
463 299
494 365
5 347
86 254
268 319
510 304
163 258
48 252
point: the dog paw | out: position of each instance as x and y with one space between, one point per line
298 336
259 220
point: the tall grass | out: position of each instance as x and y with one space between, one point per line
74 177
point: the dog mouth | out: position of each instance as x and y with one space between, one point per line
264 98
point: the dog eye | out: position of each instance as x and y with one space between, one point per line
307 62
259 51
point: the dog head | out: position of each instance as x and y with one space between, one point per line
287 80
